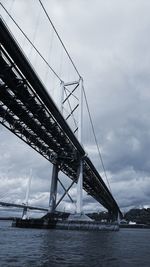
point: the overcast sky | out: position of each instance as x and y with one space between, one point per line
109 42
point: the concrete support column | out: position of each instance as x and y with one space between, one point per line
80 114
25 210
53 188
80 126
25 213
118 218
80 189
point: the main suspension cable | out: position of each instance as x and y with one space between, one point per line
99 152
59 38
39 53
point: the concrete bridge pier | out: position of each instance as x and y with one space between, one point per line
113 216
25 213
53 188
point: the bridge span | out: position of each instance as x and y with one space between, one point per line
28 111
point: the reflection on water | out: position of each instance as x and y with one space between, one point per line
31 247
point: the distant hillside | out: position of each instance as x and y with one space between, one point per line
141 216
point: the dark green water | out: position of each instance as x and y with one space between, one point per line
29 247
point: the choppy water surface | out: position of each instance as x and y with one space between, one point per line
29 247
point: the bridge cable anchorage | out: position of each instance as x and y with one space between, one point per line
59 38
39 53
99 152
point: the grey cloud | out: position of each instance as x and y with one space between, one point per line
109 42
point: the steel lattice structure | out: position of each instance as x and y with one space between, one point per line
28 111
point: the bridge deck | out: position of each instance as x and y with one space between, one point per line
28 111
7 204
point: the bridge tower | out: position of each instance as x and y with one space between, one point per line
79 129
71 87
25 209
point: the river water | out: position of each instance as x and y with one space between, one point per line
52 248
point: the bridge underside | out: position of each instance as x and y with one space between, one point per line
27 110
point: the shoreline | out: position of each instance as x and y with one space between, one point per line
135 226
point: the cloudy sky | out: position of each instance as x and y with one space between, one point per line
109 43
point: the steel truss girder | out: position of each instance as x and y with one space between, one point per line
23 104
27 110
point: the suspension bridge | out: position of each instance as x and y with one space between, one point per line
28 111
